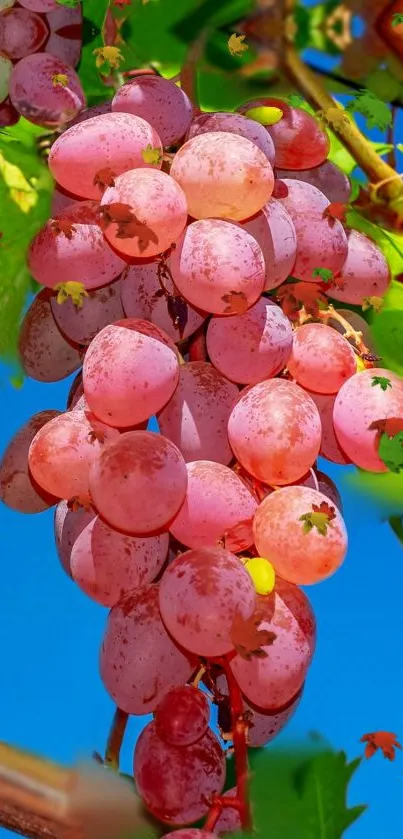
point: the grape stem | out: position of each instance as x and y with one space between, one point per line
331 314
115 739
241 801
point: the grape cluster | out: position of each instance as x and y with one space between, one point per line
40 44
179 280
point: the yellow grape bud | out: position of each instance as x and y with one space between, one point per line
264 115
360 364
262 573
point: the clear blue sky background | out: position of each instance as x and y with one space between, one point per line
51 697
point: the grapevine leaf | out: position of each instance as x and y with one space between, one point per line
60 79
293 296
336 210
73 290
128 225
382 381
295 100
383 740
104 177
376 112
109 56
61 226
389 426
236 301
397 19
396 523
376 303
236 44
71 4
390 450
321 517
152 155
248 639
325 274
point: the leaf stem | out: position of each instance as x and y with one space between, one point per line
115 739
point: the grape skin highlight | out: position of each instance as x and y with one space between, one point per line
301 558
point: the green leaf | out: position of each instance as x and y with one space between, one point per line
396 523
387 329
390 451
397 19
298 795
376 112
71 4
325 274
382 381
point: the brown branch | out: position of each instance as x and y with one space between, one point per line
343 127
115 739
188 73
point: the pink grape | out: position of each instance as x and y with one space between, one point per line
218 507
190 833
234 124
139 482
321 240
218 266
107 564
68 524
140 299
89 113
251 347
299 556
159 101
36 97
18 489
323 484
365 272
130 372
158 205
275 431
62 451
264 726
60 200
223 175
196 417
321 359
66 48
112 142
359 403
61 17
201 592
229 820
182 717
139 662
41 6
274 231
101 308
45 354
327 177
21 33
188 778
66 27
272 682
299 140
329 447
71 247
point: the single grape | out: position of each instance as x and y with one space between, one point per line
273 681
251 347
299 141
223 176
156 212
95 151
159 101
68 523
18 489
327 177
305 545
321 240
8 114
37 97
81 324
88 113
273 229
6 69
321 360
107 564
145 371
62 451
45 354
139 482
141 299
323 484
21 33
218 508
66 38
139 662
195 775
329 447
196 417
275 431
229 821
71 247
182 717
234 124
360 403
61 199
42 6
62 16
65 48
218 266
365 272
201 592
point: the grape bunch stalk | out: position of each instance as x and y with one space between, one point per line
191 272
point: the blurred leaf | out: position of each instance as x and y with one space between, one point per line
211 14
396 523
